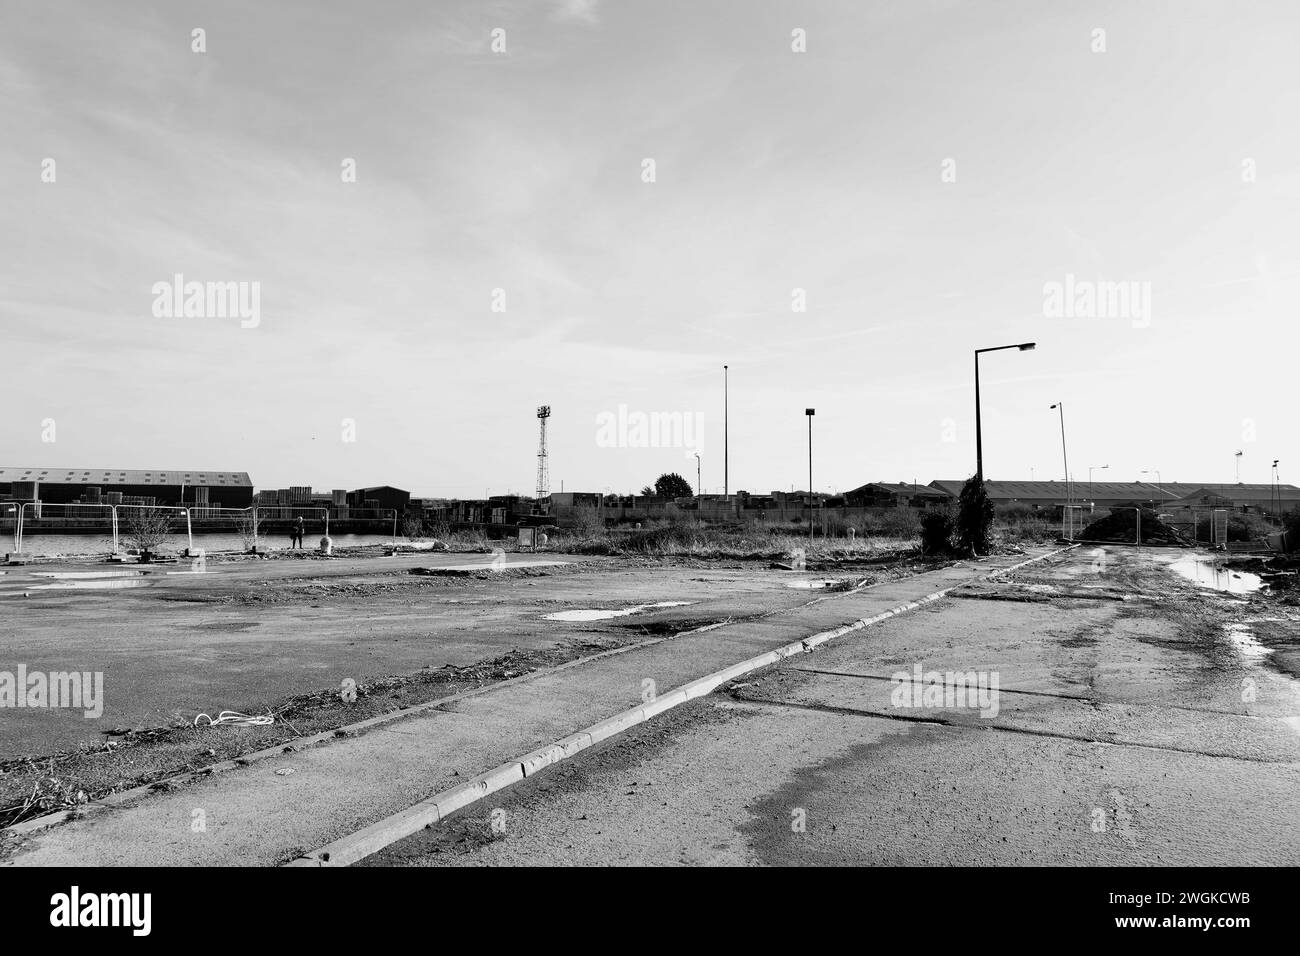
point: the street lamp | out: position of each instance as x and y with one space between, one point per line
725 456
1276 485
1159 484
1091 469
1060 407
698 491
810 412
979 439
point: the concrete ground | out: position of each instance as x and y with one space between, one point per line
273 810
244 635
1128 732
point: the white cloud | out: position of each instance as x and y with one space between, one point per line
584 10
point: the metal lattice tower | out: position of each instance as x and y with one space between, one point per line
543 472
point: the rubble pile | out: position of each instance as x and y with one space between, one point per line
1119 527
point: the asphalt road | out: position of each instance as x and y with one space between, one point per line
1126 732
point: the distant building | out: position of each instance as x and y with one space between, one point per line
380 497
877 494
1109 494
227 489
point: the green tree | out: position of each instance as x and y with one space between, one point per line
673 485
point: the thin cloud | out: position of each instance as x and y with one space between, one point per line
584 10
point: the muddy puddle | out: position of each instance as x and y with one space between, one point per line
114 580
80 575
93 584
1209 572
596 614
1243 640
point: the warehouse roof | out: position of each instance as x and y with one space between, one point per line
1138 490
115 476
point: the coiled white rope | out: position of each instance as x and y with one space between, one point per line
236 719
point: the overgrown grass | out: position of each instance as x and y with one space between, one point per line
700 541
751 540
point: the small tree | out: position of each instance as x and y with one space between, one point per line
146 528
673 485
974 517
246 528
647 492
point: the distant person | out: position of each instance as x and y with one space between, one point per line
296 533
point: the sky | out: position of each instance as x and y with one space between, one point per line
846 198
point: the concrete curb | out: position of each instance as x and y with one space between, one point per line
370 840
115 800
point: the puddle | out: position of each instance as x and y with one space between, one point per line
76 575
1243 639
592 614
812 583
96 584
1208 573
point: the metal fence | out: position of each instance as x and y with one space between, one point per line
245 522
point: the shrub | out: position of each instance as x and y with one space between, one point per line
898 522
936 532
246 528
974 517
146 528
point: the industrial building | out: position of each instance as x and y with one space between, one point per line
212 489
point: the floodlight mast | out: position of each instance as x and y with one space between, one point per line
543 469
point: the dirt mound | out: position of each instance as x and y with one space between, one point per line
1120 527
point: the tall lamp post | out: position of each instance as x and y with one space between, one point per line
1065 461
726 484
810 412
1277 487
1160 487
1091 469
979 437
698 491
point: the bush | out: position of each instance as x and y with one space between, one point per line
1018 522
587 521
898 522
974 517
936 532
1247 527
246 528
146 529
